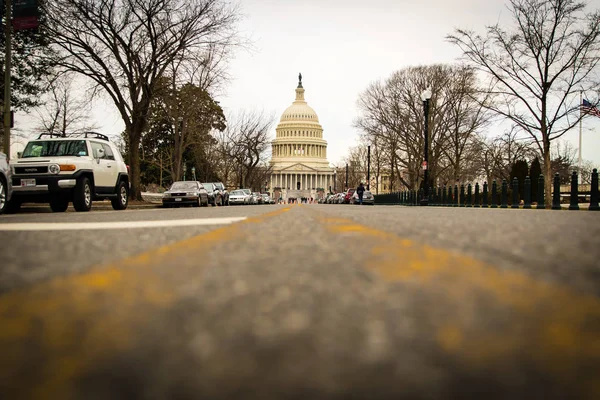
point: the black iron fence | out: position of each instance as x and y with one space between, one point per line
496 196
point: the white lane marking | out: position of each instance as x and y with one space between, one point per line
73 226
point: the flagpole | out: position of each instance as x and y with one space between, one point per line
580 130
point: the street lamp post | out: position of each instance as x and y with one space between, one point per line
425 96
369 167
184 171
346 176
194 172
334 180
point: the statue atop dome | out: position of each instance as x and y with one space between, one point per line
300 80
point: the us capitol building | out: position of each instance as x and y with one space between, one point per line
299 166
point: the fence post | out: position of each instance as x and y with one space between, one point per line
455 195
477 202
541 195
574 192
515 193
469 195
494 194
439 201
444 196
556 194
431 196
461 199
504 194
527 193
485 195
594 192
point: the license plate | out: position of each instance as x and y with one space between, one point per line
27 182
177 199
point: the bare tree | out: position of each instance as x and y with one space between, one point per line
392 113
247 142
64 108
125 47
500 153
538 67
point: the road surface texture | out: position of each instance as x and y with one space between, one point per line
303 301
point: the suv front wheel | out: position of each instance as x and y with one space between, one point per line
82 195
122 199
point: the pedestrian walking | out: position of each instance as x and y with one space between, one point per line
360 190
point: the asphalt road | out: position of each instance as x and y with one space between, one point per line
304 301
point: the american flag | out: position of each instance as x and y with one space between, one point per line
588 108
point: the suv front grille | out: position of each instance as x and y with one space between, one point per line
32 170
178 194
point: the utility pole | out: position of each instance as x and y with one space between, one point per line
7 68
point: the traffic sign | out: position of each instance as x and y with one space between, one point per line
424 165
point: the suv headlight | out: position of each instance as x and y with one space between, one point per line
53 169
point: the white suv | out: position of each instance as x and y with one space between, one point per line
78 167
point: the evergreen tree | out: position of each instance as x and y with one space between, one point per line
32 59
534 173
520 170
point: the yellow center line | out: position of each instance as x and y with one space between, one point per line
76 319
555 327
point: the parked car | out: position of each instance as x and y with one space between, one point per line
253 199
367 198
266 198
80 167
5 183
258 198
185 192
214 195
348 196
239 197
224 193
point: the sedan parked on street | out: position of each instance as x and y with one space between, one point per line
239 197
249 193
367 198
214 194
5 183
185 192
224 193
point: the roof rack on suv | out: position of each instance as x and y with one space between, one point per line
86 135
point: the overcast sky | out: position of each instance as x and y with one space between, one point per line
340 46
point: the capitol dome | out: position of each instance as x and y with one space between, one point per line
299 111
299 152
